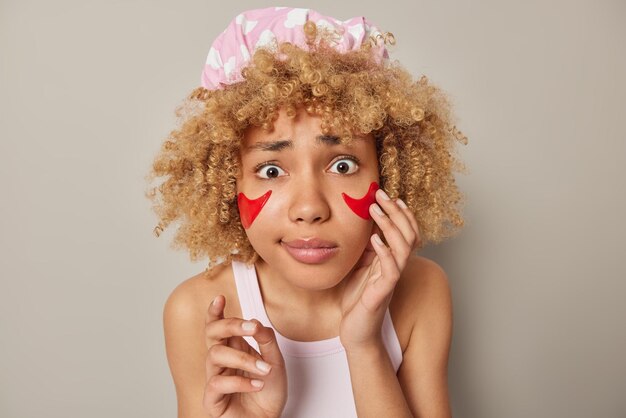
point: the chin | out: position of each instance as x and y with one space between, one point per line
314 279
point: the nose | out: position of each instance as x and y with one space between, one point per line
308 203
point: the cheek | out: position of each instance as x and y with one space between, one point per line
361 206
250 208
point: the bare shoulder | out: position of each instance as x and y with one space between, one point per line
185 298
193 296
184 316
424 290
414 293
423 372
423 279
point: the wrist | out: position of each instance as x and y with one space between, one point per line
366 350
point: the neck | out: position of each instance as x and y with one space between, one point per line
280 292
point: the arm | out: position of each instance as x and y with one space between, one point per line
377 392
183 324
420 388
423 374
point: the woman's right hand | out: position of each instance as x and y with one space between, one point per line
231 368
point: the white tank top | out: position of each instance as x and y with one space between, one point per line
317 371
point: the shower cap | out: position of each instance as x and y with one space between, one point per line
232 49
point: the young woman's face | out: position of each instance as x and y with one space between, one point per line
291 188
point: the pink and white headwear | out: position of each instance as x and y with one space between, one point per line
233 48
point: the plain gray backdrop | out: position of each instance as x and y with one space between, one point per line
88 92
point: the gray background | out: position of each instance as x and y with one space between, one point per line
88 91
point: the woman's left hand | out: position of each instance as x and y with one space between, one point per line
370 287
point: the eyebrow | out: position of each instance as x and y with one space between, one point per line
281 144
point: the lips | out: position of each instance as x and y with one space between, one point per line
310 243
310 251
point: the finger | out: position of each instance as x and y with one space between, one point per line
215 332
366 258
368 253
411 217
215 312
375 230
226 332
388 266
224 356
239 343
218 330
398 216
400 249
216 309
268 345
236 343
219 385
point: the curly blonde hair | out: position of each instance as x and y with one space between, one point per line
410 120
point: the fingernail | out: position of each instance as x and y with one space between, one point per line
378 210
214 300
401 204
263 366
257 383
248 326
378 240
383 194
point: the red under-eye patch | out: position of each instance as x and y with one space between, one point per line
250 208
361 206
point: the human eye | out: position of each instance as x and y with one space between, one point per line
267 170
347 164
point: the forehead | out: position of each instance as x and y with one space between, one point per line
288 131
